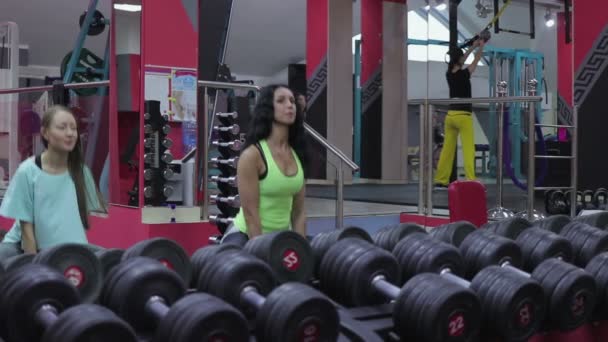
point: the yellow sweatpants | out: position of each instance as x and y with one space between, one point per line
457 122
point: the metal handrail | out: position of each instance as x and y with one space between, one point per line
227 85
50 87
505 99
331 148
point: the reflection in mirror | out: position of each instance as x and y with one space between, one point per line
127 14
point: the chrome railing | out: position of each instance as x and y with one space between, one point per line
425 181
50 87
203 135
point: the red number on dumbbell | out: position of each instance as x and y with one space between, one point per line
524 315
578 307
456 325
291 260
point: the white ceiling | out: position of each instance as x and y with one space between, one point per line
265 35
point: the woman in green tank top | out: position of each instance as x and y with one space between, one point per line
271 168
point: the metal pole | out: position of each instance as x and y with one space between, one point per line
202 155
429 160
531 161
502 91
421 159
574 164
340 197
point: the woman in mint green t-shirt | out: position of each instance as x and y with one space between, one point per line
271 169
50 195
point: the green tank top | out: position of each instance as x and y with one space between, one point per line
276 194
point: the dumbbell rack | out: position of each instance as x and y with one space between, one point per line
532 156
157 156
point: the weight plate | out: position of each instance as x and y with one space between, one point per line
89 322
205 255
297 312
553 223
512 306
437 257
509 228
168 252
22 293
598 268
16 261
86 60
448 312
538 245
97 23
453 233
227 280
570 291
484 249
109 258
202 317
286 252
321 242
131 284
398 232
597 220
586 241
78 264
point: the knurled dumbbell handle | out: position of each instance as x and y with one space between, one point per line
157 308
508 266
252 297
387 289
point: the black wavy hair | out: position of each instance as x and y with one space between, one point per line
455 54
260 125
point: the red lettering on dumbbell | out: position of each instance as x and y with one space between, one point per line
456 324
578 305
75 275
218 338
166 263
310 333
525 315
291 260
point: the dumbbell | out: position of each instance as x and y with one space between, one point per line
600 198
108 257
587 241
37 303
153 299
226 166
568 290
166 251
290 312
555 202
428 307
227 148
597 220
287 253
587 199
321 242
579 200
512 302
15 262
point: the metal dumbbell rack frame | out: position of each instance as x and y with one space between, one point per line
204 132
426 179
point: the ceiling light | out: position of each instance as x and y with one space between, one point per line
549 20
127 7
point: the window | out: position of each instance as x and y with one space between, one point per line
419 29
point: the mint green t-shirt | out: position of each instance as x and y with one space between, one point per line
48 201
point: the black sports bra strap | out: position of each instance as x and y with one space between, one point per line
39 161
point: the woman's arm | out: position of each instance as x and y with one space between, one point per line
28 239
298 213
480 43
248 173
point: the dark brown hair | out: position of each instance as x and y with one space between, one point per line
75 162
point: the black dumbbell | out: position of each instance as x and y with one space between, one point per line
321 242
78 264
555 202
108 257
597 220
598 267
37 303
153 298
427 308
167 252
568 290
588 203
600 198
290 312
15 262
387 237
512 303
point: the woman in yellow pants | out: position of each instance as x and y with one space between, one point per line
459 120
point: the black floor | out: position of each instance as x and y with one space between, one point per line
407 194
